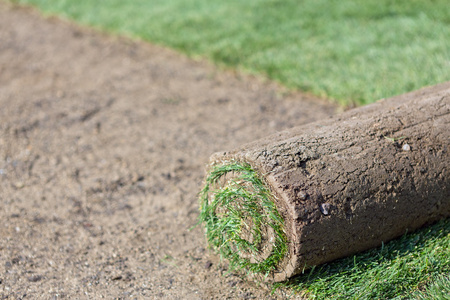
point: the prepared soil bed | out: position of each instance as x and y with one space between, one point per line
103 144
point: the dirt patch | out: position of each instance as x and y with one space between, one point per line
103 147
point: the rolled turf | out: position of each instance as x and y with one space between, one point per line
333 188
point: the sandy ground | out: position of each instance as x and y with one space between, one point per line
103 147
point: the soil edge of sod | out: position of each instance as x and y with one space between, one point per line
237 214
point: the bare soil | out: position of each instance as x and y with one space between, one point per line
103 147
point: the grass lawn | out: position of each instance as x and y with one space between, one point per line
352 51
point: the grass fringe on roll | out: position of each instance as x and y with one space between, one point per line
237 213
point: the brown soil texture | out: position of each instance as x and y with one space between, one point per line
103 147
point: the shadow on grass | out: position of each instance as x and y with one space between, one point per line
395 270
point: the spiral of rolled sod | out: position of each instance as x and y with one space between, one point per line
332 188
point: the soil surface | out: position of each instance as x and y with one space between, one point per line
103 147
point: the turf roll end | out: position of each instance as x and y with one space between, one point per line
241 219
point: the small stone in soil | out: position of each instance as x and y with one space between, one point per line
325 208
302 195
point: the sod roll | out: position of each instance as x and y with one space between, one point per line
332 188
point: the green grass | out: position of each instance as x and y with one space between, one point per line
438 290
236 215
351 51
416 266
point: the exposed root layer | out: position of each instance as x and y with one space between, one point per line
241 219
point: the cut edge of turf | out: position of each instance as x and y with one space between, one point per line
236 215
